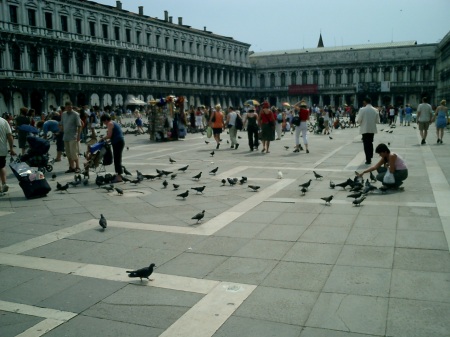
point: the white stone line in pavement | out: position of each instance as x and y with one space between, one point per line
208 315
174 282
212 226
440 187
356 162
41 328
26 309
42 240
349 202
149 227
5 213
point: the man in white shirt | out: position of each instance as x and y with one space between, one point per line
368 117
424 115
5 138
231 124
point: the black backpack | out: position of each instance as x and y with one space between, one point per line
238 123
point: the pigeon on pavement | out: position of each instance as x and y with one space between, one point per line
214 171
224 182
358 201
175 186
119 190
62 188
172 161
102 222
212 153
327 200
199 216
304 190
142 273
306 185
197 176
318 176
165 183
183 169
332 185
183 195
199 189
254 187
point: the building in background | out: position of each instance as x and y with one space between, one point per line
53 51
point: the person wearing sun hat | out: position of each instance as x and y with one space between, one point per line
303 115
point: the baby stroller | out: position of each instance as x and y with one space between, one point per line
33 184
37 154
319 126
98 156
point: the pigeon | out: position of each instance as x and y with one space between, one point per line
175 186
280 175
318 176
86 182
214 171
135 181
139 175
159 171
149 176
206 142
239 137
372 177
172 161
119 190
330 137
244 178
197 176
286 147
109 188
199 189
128 173
381 130
128 148
358 201
183 169
212 153
306 185
343 185
166 173
199 216
303 190
332 185
142 273
355 195
165 183
327 199
231 181
62 188
183 195
102 222
86 173
224 182
242 181
254 187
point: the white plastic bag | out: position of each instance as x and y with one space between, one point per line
388 178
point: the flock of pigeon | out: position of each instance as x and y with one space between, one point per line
358 187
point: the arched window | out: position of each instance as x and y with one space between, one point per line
105 65
427 73
338 76
400 74
65 61
326 77
158 71
262 81
138 68
293 78
304 77
93 64
16 57
387 74
272 80
79 60
33 58
316 77
50 60
413 74
283 79
374 75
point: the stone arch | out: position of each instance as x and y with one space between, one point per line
107 100
118 99
17 102
94 100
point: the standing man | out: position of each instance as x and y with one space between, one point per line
367 119
5 136
231 123
424 114
71 126
408 114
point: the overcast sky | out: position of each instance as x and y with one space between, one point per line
294 24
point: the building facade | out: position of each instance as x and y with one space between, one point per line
52 51
391 73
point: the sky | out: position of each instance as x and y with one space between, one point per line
273 25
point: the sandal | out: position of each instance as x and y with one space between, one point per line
71 170
263 150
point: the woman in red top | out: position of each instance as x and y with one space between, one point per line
216 123
267 124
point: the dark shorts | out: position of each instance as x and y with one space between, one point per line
217 131
2 162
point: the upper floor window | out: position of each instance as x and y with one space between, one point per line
262 81
128 35
167 43
293 78
48 20
149 39
158 41
105 30
175 44
31 17
16 57
304 78
64 24
13 16
117 33
283 79
387 74
138 37
272 80
315 77
78 25
92 28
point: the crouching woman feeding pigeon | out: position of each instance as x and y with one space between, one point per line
391 168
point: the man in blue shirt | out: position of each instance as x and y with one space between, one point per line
408 114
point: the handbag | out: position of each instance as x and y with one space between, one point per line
213 119
296 120
209 132
389 178
108 155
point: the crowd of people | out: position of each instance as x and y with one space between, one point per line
264 124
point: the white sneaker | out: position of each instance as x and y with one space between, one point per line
5 188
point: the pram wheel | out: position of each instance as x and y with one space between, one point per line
42 169
49 168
